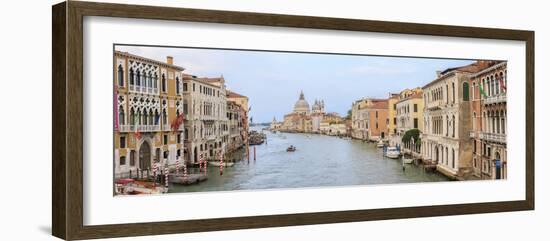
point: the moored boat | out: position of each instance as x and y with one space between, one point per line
393 152
217 163
408 160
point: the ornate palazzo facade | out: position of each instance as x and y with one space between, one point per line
148 99
489 122
151 97
448 121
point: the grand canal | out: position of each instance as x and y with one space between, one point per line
319 161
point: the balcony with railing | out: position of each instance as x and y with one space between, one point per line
493 137
141 128
436 104
495 99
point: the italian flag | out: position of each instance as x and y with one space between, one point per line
502 86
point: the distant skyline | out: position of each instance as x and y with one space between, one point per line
273 80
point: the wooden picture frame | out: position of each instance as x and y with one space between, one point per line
67 122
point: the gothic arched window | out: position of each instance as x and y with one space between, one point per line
453 89
163 83
120 76
454 125
138 118
177 85
138 78
132 117
465 91
503 122
150 80
453 158
121 115
157 116
145 117
131 75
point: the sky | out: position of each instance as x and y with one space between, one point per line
273 80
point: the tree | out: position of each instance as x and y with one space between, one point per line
411 134
348 116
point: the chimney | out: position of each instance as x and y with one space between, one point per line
170 60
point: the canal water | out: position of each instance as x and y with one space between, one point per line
319 161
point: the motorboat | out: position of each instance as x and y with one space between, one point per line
291 149
392 152
408 160
380 144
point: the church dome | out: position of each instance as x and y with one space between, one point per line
301 105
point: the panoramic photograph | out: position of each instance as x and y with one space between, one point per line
192 119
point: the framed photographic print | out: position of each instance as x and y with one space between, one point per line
170 120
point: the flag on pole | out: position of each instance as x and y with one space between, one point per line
176 123
501 82
481 91
157 118
137 133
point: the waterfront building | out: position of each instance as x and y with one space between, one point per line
488 135
302 119
149 99
324 127
392 114
242 102
337 129
410 115
315 120
294 122
447 121
359 120
275 125
317 114
236 126
333 124
239 99
301 106
370 119
206 125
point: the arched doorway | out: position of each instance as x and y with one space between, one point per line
436 154
145 156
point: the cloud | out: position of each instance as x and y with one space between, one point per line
383 68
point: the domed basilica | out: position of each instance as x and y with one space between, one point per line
304 119
301 106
